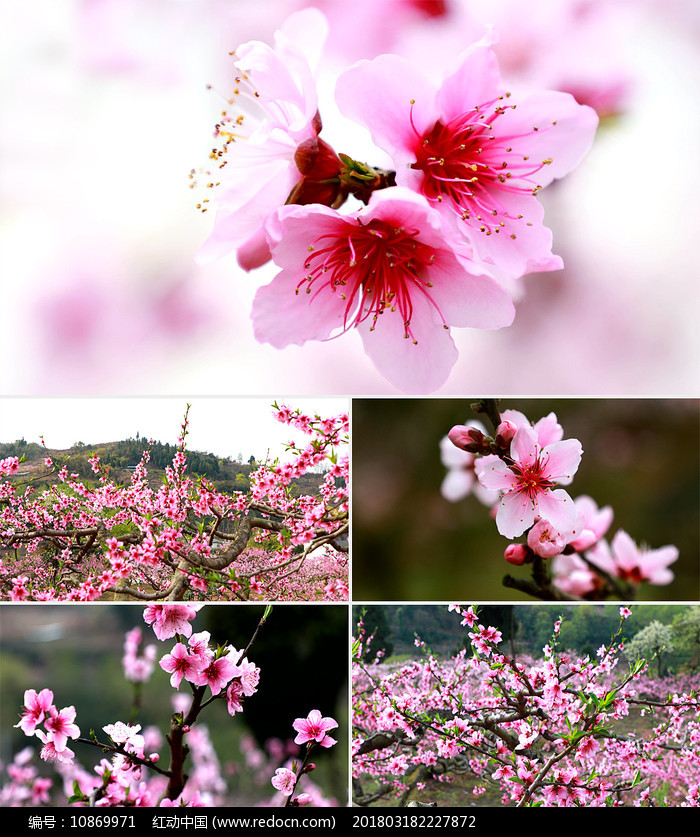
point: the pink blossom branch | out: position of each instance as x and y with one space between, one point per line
518 472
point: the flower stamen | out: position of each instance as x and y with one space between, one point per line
467 163
375 268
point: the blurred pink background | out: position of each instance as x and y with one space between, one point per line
106 111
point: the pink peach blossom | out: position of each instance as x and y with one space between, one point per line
544 540
168 620
315 728
529 482
592 523
385 270
36 706
547 428
50 752
572 575
61 725
479 152
216 674
284 781
624 559
180 663
276 106
9 465
234 697
460 479
122 733
515 553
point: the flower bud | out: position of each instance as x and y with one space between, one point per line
467 438
504 433
320 167
515 554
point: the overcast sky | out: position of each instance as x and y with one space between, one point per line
223 426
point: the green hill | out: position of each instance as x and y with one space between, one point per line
122 457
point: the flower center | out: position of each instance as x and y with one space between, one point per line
466 163
633 574
531 479
375 267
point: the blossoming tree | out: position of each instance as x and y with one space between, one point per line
184 539
548 732
143 767
517 472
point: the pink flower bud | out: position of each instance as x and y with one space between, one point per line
515 554
467 438
504 433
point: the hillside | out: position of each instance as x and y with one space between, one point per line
121 457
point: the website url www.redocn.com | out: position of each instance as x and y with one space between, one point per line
272 822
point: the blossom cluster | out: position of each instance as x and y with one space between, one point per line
222 670
58 725
536 731
122 778
440 239
9 465
518 474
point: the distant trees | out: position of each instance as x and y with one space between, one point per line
127 453
671 633
28 450
652 642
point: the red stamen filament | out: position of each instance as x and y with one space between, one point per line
375 268
466 164
531 482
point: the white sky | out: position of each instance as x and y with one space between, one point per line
223 426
